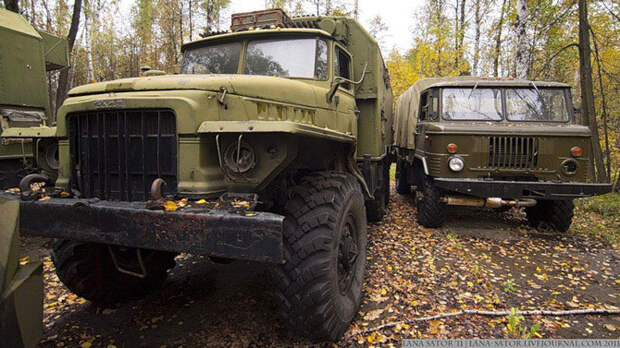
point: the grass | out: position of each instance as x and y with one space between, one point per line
393 172
599 216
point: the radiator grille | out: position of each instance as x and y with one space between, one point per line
513 152
116 154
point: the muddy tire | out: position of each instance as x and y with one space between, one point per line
376 208
554 214
87 270
402 186
431 211
319 287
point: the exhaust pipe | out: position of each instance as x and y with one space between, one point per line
491 202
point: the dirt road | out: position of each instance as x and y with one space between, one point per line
480 260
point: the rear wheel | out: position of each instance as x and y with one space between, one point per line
402 185
551 214
375 209
88 270
431 211
320 284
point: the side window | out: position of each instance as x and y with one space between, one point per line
424 107
342 66
321 72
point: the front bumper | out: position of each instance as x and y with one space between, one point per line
521 189
255 236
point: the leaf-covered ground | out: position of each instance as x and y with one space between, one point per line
479 260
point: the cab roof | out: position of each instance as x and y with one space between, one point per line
257 32
469 81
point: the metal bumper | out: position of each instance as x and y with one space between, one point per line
521 189
253 236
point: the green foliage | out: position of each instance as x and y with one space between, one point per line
517 330
509 285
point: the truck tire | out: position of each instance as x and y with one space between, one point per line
554 214
319 287
88 271
375 209
431 212
402 185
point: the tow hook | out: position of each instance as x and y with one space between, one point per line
157 198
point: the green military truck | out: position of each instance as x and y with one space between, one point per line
271 145
493 143
26 55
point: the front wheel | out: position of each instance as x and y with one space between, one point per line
319 287
551 214
89 271
431 211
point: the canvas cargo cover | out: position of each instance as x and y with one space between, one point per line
408 103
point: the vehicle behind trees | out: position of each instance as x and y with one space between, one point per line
271 145
26 55
493 143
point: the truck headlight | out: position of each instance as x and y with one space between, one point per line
456 163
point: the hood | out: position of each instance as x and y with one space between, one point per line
509 128
265 87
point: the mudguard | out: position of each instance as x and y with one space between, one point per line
21 285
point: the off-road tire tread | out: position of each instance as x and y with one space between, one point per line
431 212
558 214
303 282
88 271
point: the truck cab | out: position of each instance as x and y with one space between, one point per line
494 143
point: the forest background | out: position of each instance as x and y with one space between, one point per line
533 39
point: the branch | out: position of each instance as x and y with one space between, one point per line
553 57
491 314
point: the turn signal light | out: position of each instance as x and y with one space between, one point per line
576 151
452 148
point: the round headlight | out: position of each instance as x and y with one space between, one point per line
456 164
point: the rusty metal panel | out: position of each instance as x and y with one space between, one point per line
255 236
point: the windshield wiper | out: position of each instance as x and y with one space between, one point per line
472 91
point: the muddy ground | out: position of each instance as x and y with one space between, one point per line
480 260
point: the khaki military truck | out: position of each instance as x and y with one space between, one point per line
271 145
26 55
493 143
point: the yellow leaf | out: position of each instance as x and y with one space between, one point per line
86 345
250 214
202 201
64 194
454 283
470 284
24 260
372 337
170 206
383 291
389 268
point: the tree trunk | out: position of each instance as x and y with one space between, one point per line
477 21
522 50
587 95
63 79
356 9
12 5
498 40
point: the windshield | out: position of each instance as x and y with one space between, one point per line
305 58
529 104
480 104
215 59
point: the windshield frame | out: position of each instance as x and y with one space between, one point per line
246 39
565 91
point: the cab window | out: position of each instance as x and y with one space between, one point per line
342 66
428 105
